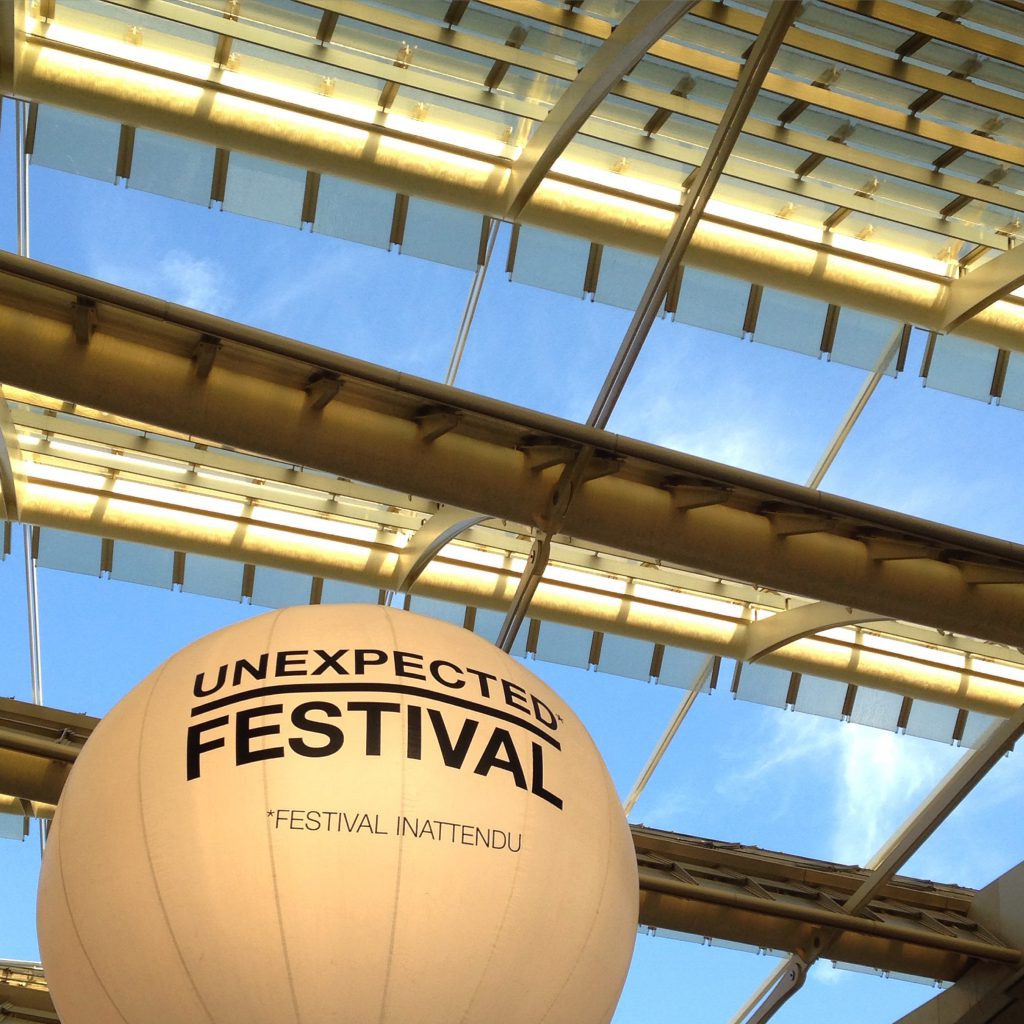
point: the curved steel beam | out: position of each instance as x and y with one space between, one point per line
767 635
442 527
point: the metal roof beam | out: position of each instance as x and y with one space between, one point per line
633 37
980 288
478 464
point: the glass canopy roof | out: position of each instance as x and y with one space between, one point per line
839 182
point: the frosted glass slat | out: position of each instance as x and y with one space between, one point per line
680 667
72 552
623 277
763 684
142 563
962 367
791 322
861 339
822 697
876 708
343 592
214 577
626 656
354 211
564 645
975 727
12 826
446 611
547 259
712 301
931 721
442 233
169 166
79 143
264 189
278 588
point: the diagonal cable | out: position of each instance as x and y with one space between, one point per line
757 66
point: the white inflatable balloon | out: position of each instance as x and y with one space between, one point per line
338 814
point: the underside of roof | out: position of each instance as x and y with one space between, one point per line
826 178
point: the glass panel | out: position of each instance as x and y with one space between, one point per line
790 321
442 233
962 367
712 301
763 684
564 645
823 697
142 563
12 826
861 339
931 721
546 259
264 189
876 708
488 625
626 656
68 141
173 167
1013 385
446 611
72 552
623 277
343 592
214 577
354 211
680 668
277 588
975 727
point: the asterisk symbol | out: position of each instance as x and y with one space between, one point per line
270 814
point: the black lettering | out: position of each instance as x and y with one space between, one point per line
435 670
502 741
513 694
482 838
330 661
195 747
519 844
301 720
537 785
405 662
369 656
543 713
313 821
483 677
291 663
245 732
374 710
452 754
197 688
414 732
257 671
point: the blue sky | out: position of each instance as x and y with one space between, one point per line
736 771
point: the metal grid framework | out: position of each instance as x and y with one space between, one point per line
862 155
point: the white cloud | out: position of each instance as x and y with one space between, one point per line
883 779
177 276
191 281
